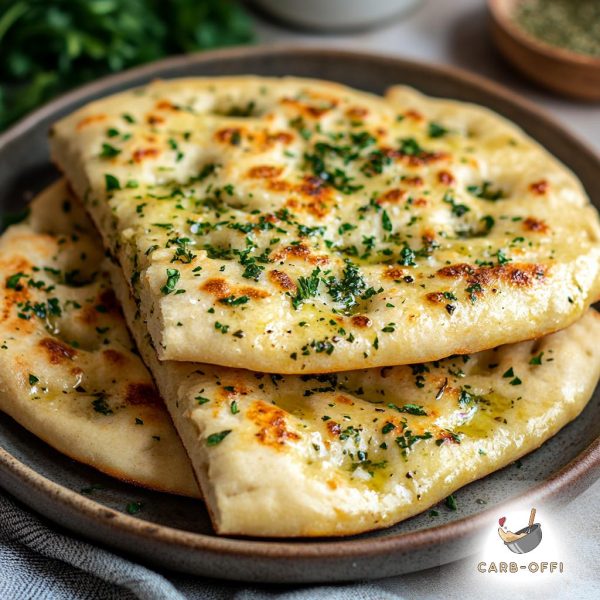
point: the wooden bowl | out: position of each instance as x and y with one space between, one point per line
563 71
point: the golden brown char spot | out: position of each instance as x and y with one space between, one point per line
360 321
282 137
228 391
539 187
271 423
357 112
142 153
89 120
415 160
279 185
393 273
333 428
251 292
264 172
166 105
445 178
456 271
109 301
420 202
314 187
114 357
332 484
341 399
415 181
154 119
536 225
302 252
228 135
428 237
518 274
391 196
317 208
282 280
310 110
142 394
57 351
522 275
436 297
217 287
414 115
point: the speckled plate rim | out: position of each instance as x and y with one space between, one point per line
564 484
577 475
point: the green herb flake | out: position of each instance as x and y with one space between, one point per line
435 130
112 183
133 508
386 222
172 279
233 301
109 151
451 503
216 438
411 409
536 360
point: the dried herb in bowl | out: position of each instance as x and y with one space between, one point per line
48 47
570 24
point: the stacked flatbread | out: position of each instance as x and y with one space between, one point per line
347 302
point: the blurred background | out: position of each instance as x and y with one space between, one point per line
547 50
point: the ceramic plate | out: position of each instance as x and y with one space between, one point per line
175 533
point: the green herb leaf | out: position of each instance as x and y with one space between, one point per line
451 503
109 151
133 508
436 130
112 183
216 438
171 283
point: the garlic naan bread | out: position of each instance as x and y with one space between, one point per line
343 453
292 226
69 372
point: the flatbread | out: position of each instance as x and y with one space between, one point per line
69 371
343 453
329 454
291 226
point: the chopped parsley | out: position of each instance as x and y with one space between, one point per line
216 438
109 151
486 191
536 360
411 409
307 287
451 503
233 301
133 508
435 130
171 283
112 183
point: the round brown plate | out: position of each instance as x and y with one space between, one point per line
174 532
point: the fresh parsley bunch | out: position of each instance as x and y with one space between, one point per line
49 46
